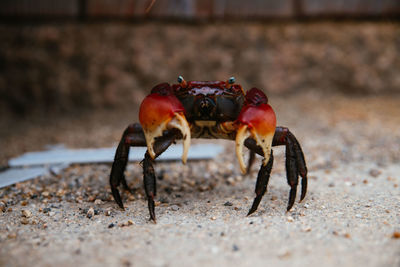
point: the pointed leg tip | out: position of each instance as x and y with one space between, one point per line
153 217
250 212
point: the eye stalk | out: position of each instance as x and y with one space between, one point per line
182 81
231 80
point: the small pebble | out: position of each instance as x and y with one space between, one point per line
374 173
235 247
213 218
127 223
2 207
45 194
24 203
284 254
108 212
290 219
46 210
90 213
26 213
396 235
98 202
231 181
174 207
228 204
12 235
111 225
24 221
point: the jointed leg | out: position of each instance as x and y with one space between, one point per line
149 181
291 173
262 183
295 163
132 136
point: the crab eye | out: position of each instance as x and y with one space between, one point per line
231 80
181 81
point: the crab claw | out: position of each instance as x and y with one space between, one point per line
256 120
161 111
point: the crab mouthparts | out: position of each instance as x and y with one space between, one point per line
179 122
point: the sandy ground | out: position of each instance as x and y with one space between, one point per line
350 217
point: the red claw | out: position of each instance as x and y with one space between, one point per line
157 108
159 111
257 120
260 118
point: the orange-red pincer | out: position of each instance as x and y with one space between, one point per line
257 120
159 111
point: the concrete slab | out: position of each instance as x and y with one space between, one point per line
12 176
106 155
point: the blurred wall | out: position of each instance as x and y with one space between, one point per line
89 61
199 9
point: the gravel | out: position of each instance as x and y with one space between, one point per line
350 216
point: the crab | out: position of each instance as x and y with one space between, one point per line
213 110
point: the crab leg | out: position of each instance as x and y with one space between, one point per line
149 181
161 111
132 136
295 162
262 183
256 120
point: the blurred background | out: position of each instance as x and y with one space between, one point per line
63 60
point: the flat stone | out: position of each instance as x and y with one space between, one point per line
12 176
106 155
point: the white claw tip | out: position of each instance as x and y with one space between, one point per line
241 136
179 122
